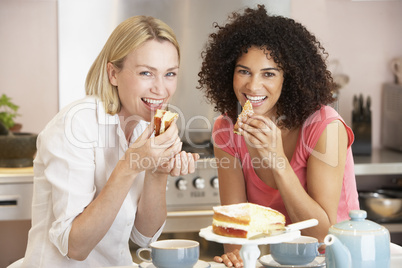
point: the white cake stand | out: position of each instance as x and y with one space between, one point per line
249 247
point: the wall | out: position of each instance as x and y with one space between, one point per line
363 35
28 52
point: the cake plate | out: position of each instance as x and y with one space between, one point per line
249 247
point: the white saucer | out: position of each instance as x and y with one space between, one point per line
268 262
199 264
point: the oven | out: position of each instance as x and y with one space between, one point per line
190 198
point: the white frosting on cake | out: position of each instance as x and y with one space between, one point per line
236 210
247 209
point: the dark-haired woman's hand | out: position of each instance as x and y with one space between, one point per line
263 137
231 259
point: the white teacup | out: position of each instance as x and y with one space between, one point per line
299 251
172 253
396 68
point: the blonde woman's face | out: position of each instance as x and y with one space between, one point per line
148 78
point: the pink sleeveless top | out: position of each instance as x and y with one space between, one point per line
260 193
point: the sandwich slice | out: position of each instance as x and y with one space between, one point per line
246 112
162 120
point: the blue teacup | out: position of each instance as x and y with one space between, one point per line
299 251
172 253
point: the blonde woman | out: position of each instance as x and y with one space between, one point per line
100 174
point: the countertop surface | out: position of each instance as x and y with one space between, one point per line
396 260
16 171
380 162
16 175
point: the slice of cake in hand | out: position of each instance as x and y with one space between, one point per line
245 220
247 111
162 120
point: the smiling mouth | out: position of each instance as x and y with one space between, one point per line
255 99
153 103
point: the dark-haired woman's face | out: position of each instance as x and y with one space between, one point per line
258 78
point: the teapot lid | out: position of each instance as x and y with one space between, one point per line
358 222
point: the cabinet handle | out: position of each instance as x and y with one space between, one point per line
9 200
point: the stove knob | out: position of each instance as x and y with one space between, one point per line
199 183
215 182
181 184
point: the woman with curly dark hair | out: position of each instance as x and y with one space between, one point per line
294 153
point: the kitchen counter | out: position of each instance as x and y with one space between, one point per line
16 175
380 162
396 260
13 171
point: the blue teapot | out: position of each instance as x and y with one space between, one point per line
358 243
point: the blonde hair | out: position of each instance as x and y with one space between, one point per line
127 37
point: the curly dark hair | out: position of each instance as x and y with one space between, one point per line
307 83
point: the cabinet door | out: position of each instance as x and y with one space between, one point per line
15 201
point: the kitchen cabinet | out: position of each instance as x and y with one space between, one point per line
383 168
15 212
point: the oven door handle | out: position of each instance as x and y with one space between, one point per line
192 213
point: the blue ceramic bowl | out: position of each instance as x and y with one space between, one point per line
299 251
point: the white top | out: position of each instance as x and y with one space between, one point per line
77 152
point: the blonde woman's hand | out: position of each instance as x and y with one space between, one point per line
150 153
183 163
